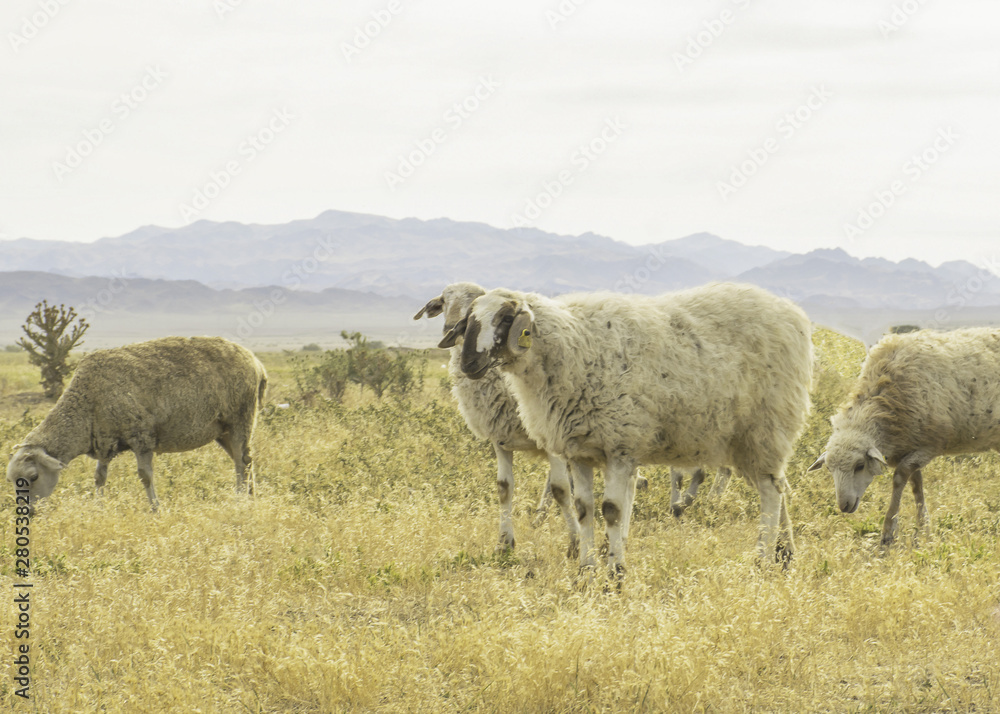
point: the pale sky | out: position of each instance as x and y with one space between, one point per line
871 125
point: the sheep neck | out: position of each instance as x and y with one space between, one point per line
529 375
65 431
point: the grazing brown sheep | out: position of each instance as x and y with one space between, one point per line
167 395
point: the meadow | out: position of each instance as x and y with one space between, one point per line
362 576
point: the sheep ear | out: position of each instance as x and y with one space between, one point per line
43 461
874 453
818 463
433 308
519 336
49 462
454 333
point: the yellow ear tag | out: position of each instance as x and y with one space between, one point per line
525 339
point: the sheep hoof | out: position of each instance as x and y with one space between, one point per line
641 483
783 556
585 578
505 545
616 578
573 551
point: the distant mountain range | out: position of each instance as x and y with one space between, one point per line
344 262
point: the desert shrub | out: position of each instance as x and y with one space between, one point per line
364 363
370 365
48 343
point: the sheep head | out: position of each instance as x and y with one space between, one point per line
498 328
854 461
454 301
32 468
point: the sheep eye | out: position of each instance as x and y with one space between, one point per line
858 467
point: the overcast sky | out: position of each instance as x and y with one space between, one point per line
866 124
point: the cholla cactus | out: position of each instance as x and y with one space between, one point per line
47 344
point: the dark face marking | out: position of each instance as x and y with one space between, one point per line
476 358
474 364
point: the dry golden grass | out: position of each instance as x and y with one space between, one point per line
362 577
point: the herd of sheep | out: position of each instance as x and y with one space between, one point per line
716 376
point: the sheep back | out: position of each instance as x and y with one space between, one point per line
928 390
165 395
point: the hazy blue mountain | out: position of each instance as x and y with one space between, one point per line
413 259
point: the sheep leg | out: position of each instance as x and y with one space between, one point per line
238 447
505 490
561 490
899 479
583 487
676 476
144 460
697 478
786 542
542 509
100 477
923 518
633 482
770 516
617 479
721 482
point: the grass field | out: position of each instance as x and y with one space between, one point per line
362 577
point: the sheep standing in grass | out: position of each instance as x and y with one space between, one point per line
919 395
167 395
717 375
490 411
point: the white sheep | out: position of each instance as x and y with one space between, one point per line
920 395
717 375
490 412
167 395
